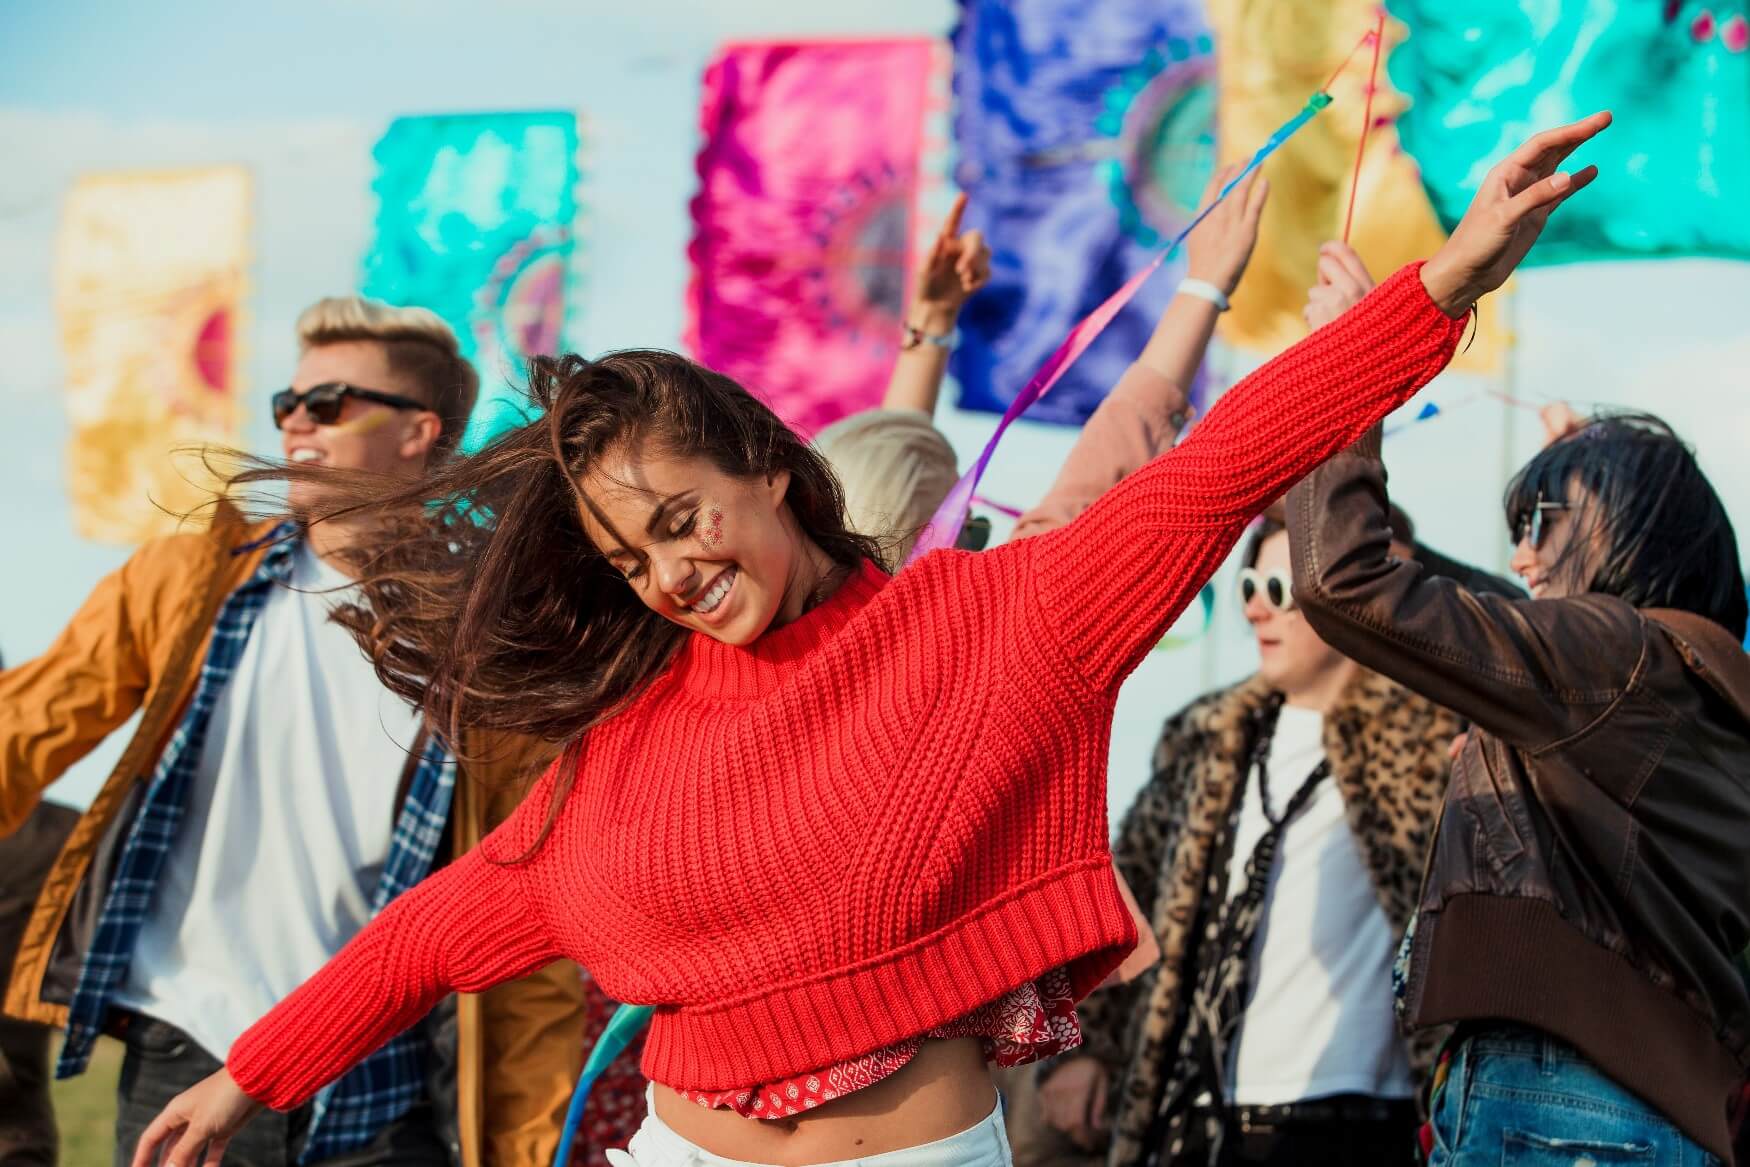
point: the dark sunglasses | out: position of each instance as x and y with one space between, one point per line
1532 525
1277 588
324 402
975 535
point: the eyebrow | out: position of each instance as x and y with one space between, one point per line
661 511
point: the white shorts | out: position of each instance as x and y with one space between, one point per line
985 1145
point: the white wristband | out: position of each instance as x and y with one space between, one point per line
1204 290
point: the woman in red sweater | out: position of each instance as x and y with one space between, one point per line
847 833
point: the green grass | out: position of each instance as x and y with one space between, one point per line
85 1108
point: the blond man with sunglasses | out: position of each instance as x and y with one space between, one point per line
274 798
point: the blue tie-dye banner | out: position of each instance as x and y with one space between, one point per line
475 223
1085 134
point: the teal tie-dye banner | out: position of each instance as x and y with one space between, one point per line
475 222
1674 170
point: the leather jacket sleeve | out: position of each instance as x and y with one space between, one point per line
1531 672
1471 578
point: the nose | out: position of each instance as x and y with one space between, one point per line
1256 610
675 575
1524 557
297 421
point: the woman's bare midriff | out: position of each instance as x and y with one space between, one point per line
944 1090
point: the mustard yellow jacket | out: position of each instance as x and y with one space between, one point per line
137 646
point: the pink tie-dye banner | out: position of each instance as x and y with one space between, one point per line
803 225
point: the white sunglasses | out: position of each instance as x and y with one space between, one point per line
1277 588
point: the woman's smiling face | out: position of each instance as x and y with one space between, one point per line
712 552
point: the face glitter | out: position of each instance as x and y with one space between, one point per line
712 535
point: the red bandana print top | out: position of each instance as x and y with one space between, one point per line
1035 1021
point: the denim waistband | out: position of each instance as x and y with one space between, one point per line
1508 1038
985 1144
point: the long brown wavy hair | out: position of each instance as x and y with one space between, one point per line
483 600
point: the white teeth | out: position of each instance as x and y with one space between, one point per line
707 603
306 455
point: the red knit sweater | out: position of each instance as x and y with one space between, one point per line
936 742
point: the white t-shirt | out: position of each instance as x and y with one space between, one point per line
1320 1018
287 825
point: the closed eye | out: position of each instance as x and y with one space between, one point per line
686 528
629 567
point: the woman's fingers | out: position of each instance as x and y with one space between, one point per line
1540 198
1242 193
1346 257
951 225
1218 182
939 253
1239 203
1334 273
1559 420
215 1153
972 250
186 1150
1542 153
973 266
156 1134
1256 197
1323 305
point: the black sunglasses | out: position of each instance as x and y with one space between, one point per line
1277 588
975 535
324 402
1532 526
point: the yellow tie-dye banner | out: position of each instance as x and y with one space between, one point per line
1272 54
149 279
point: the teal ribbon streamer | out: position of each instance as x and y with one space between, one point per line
622 1027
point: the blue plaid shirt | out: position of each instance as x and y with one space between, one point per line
349 1113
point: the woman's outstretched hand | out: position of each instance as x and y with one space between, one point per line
1559 421
957 266
1504 219
1218 251
194 1129
1344 282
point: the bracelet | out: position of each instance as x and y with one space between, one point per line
1204 290
915 336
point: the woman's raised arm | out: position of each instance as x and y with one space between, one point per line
1111 583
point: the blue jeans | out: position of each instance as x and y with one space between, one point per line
1514 1095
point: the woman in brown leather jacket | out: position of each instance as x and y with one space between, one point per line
1586 910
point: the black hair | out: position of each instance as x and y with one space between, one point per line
1666 539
